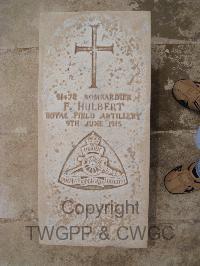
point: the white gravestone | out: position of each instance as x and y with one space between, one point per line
94 105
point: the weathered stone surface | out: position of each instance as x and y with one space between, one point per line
18 174
174 256
169 64
19 21
96 151
18 84
95 5
178 20
168 148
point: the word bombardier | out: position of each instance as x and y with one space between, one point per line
117 210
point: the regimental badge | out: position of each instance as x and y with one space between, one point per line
93 165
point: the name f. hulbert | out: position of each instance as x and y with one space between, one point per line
118 210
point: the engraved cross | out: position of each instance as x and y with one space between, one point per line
93 49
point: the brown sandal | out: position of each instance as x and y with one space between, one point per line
187 93
181 181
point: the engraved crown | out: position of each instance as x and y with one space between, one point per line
93 145
93 139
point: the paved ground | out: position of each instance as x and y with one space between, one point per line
175 55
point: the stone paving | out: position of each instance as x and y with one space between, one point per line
175 55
